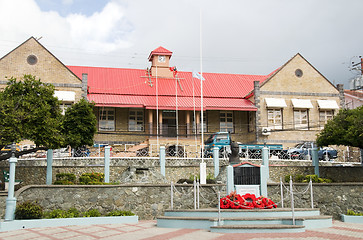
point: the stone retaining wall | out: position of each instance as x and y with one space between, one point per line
332 199
147 170
150 200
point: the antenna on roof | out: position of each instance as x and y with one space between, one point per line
39 38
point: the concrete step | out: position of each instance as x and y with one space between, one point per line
243 213
310 222
265 228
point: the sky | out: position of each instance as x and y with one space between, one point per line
231 36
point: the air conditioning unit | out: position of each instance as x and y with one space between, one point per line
266 131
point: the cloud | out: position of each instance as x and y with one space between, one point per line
102 32
67 2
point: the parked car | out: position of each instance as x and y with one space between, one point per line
303 151
7 148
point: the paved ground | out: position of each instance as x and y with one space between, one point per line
148 230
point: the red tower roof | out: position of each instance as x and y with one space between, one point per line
160 51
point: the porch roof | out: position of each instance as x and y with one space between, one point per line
170 102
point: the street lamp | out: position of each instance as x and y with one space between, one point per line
11 200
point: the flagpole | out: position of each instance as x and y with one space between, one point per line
201 85
195 121
176 114
157 108
203 165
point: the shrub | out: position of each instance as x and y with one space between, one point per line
120 213
91 213
301 178
94 178
72 212
56 213
59 213
352 213
65 179
28 210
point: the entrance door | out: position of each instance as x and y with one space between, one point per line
169 123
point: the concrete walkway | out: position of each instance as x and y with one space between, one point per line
148 230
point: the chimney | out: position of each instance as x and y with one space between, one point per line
341 95
84 85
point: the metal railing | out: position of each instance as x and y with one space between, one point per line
187 151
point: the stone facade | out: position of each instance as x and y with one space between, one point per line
286 84
46 67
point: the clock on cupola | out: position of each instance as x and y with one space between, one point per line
159 59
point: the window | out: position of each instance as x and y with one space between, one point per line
136 120
198 125
226 121
64 107
274 118
106 119
32 59
324 116
301 119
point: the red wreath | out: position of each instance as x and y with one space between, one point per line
247 201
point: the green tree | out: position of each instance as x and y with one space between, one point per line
29 110
344 129
79 125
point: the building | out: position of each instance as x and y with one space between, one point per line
33 58
287 106
353 98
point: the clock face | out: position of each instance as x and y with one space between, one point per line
161 58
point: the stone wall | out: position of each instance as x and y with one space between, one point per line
145 200
147 170
150 200
332 199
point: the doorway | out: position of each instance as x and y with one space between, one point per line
169 123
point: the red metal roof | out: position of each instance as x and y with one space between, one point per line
115 85
160 51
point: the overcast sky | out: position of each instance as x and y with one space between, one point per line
246 37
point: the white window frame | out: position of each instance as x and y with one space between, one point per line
136 120
299 120
274 118
226 121
324 116
106 119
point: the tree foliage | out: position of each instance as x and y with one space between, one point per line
346 128
29 110
79 124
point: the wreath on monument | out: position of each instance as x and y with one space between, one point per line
247 201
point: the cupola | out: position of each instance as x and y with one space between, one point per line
159 59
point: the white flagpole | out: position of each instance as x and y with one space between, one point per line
195 121
201 86
157 108
176 113
203 165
